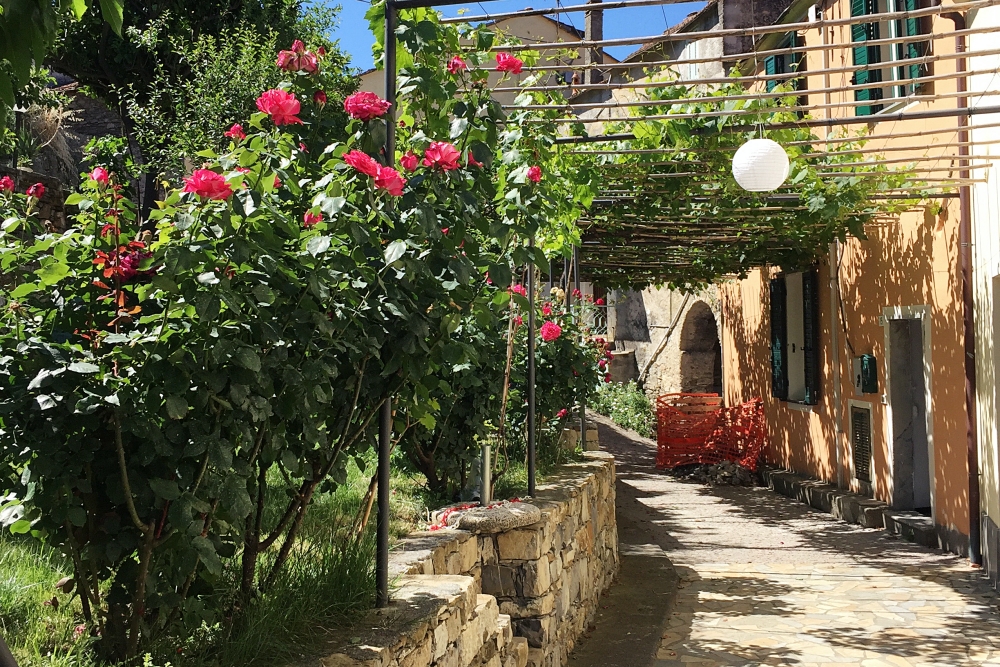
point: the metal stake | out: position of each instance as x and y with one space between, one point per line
531 368
579 321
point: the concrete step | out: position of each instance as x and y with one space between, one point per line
911 526
826 497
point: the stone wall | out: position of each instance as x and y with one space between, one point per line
510 599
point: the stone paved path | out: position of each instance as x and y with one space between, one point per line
764 580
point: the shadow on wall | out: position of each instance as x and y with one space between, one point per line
701 352
907 262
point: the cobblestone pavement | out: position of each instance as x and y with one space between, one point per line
764 580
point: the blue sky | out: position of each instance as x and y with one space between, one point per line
634 22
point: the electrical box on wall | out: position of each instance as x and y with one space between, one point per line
865 375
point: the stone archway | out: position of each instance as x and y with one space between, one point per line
701 352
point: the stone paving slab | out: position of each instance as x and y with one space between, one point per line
763 580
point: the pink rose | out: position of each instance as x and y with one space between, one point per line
298 59
534 173
508 63
277 182
319 97
546 309
37 191
519 289
236 132
362 162
208 185
562 413
607 377
311 219
6 184
281 106
473 161
518 320
600 302
550 331
456 65
602 364
365 106
388 179
100 175
442 155
409 161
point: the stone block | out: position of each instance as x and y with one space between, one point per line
470 641
499 580
453 563
524 544
493 662
420 656
452 658
528 607
487 550
469 554
538 631
536 578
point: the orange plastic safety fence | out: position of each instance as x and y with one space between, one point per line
694 428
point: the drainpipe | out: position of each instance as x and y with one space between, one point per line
965 252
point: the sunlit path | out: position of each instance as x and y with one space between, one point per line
763 580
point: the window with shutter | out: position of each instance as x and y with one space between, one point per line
866 55
810 317
779 339
784 64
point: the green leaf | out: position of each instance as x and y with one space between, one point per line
248 359
24 290
83 367
45 402
500 275
77 516
206 552
208 278
52 272
458 126
236 498
318 245
394 251
177 407
20 527
165 488
113 13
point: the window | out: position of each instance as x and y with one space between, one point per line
785 63
795 337
886 63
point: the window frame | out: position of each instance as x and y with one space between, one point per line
810 349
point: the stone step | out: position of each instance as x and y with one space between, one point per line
911 526
826 497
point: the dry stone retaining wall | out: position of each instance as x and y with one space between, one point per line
512 599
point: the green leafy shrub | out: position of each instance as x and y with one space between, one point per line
627 406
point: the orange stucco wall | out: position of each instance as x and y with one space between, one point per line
908 260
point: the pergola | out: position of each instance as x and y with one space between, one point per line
644 229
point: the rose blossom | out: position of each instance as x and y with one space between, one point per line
281 106
409 161
562 413
37 191
550 331
207 184
518 320
319 97
600 302
508 63
310 219
362 162
6 184
100 175
519 289
298 59
236 132
546 309
388 179
443 155
473 161
456 65
534 173
277 182
602 364
365 106
607 378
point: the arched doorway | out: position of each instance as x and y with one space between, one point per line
701 352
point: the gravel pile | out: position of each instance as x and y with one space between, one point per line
726 473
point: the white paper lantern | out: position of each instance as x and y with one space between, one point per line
760 165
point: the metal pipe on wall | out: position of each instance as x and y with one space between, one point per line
385 418
968 305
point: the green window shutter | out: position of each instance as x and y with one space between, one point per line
795 60
771 68
779 339
866 55
810 316
911 28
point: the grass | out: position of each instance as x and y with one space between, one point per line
627 406
327 580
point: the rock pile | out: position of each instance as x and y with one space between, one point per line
726 473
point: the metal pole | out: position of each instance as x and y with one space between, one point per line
579 320
6 657
486 476
385 418
531 369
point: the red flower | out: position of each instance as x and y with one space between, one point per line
409 161
388 179
518 320
365 106
550 331
602 364
600 302
546 309
208 185
577 294
508 63
124 262
519 289
473 161
607 377
562 413
319 97
456 65
109 229
310 219
6 184
243 170
444 230
100 175
534 173
321 51
362 162
443 155
236 132
37 191
277 182
298 59
281 106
